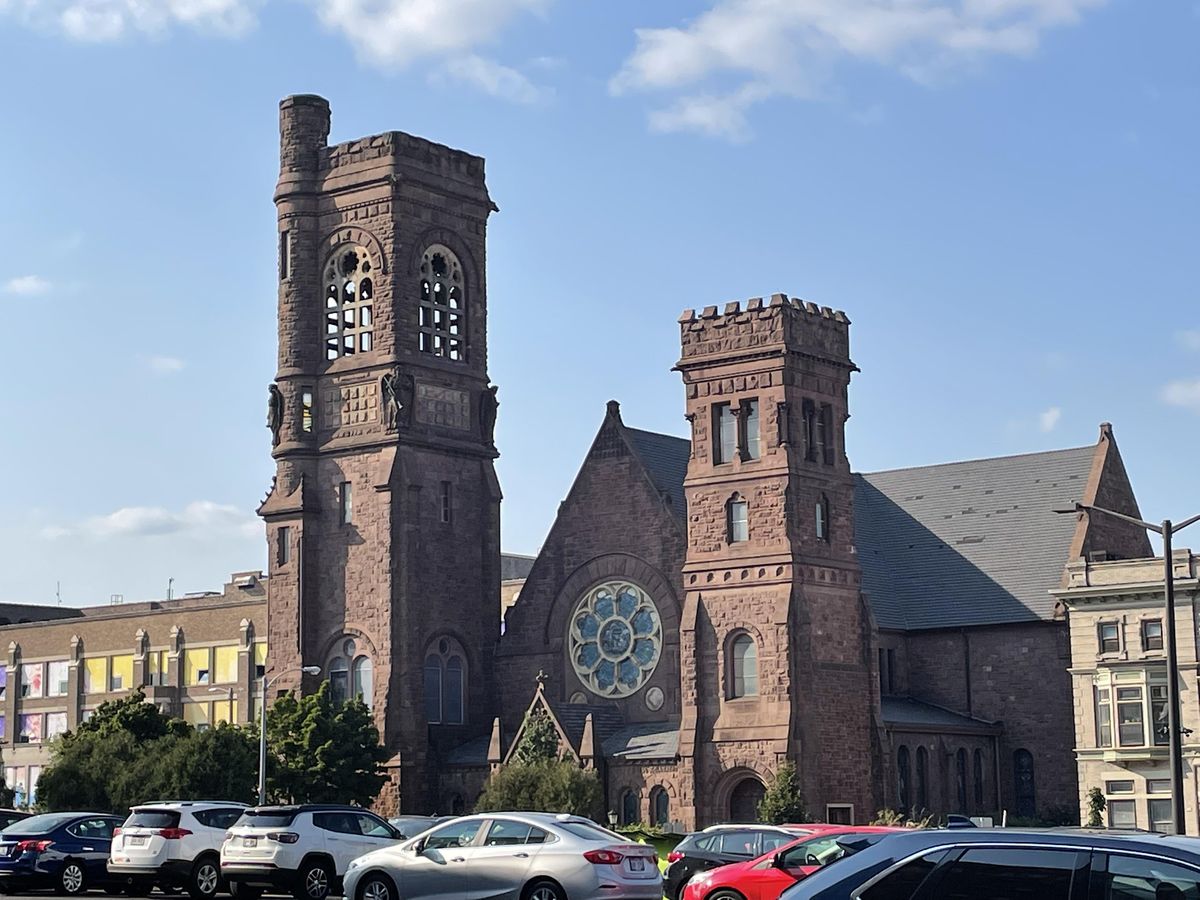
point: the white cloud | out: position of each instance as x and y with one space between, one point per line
200 519
1189 339
27 285
494 79
96 21
744 51
1048 419
1184 393
165 365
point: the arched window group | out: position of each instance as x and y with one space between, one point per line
443 318
743 666
660 807
351 674
349 302
922 778
629 807
445 683
1025 791
960 779
903 780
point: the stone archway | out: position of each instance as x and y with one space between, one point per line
744 799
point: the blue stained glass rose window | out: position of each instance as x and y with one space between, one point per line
615 639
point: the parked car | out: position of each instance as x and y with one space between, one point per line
411 826
506 856
67 851
999 864
766 877
302 849
720 845
8 816
173 844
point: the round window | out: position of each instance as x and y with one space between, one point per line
348 647
654 699
615 639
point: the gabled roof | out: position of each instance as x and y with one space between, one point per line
968 543
665 459
650 740
905 714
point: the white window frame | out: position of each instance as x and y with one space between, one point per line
833 806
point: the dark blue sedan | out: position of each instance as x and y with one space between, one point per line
66 851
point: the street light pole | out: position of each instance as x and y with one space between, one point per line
262 725
1174 723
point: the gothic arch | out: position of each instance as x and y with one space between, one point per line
729 780
349 631
448 238
614 566
353 234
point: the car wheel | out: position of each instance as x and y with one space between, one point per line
376 887
543 890
724 895
206 878
244 891
313 881
72 880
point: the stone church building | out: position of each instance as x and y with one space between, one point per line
702 610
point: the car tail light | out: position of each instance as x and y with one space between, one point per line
604 857
173 834
675 856
33 846
116 831
283 837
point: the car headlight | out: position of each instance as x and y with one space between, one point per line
356 863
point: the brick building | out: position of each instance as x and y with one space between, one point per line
702 609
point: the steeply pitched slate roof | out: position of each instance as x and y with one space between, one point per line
906 714
666 460
473 753
606 720
651 740
967 543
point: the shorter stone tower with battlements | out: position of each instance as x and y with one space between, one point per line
774 643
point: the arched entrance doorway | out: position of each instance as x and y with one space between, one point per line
744 800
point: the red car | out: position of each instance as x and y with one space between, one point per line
766 878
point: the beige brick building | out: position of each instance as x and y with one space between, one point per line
1119 680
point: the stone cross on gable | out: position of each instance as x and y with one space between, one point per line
541 678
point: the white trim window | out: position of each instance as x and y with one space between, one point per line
1131 707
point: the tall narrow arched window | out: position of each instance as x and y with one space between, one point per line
660 807
1026 794
903 781
442 328
629 807
960 779
445 683
743 666
339 679
978 780
349 302
821 519
922 779
361 679
737 520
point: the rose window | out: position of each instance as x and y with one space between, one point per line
615 639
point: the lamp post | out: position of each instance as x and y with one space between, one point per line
1174 727
262 726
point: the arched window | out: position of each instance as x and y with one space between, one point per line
960 779
660 807
361 681
349 302
821 519
743 666
903 790
978 780
443 319
737 520
922 779
745 799
629 807
445 683
339 679
1026 795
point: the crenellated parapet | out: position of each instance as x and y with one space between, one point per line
769 326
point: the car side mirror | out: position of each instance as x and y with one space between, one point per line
418 848
810 860
777 861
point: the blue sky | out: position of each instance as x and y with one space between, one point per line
1002 194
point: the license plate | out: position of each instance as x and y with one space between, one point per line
137 842
250 842
636 864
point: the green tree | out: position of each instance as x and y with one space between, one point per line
221 762
783 801
323 751
554 785
539 739
1096 805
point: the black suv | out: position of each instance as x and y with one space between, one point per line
721 845
1007 864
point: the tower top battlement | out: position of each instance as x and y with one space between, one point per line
779 324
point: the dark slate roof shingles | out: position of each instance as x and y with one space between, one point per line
914 713
666 460
651 740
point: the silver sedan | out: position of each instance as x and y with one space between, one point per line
509 856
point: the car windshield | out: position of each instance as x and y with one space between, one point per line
267 818
42 824
152 818
590 832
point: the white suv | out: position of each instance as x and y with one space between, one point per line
174 844
302 849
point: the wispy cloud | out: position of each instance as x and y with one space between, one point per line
96 21
200 519
741 52
27 285
1184 393
1189 339
1048 419
494 79
165 365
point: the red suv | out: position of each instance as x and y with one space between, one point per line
766 877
